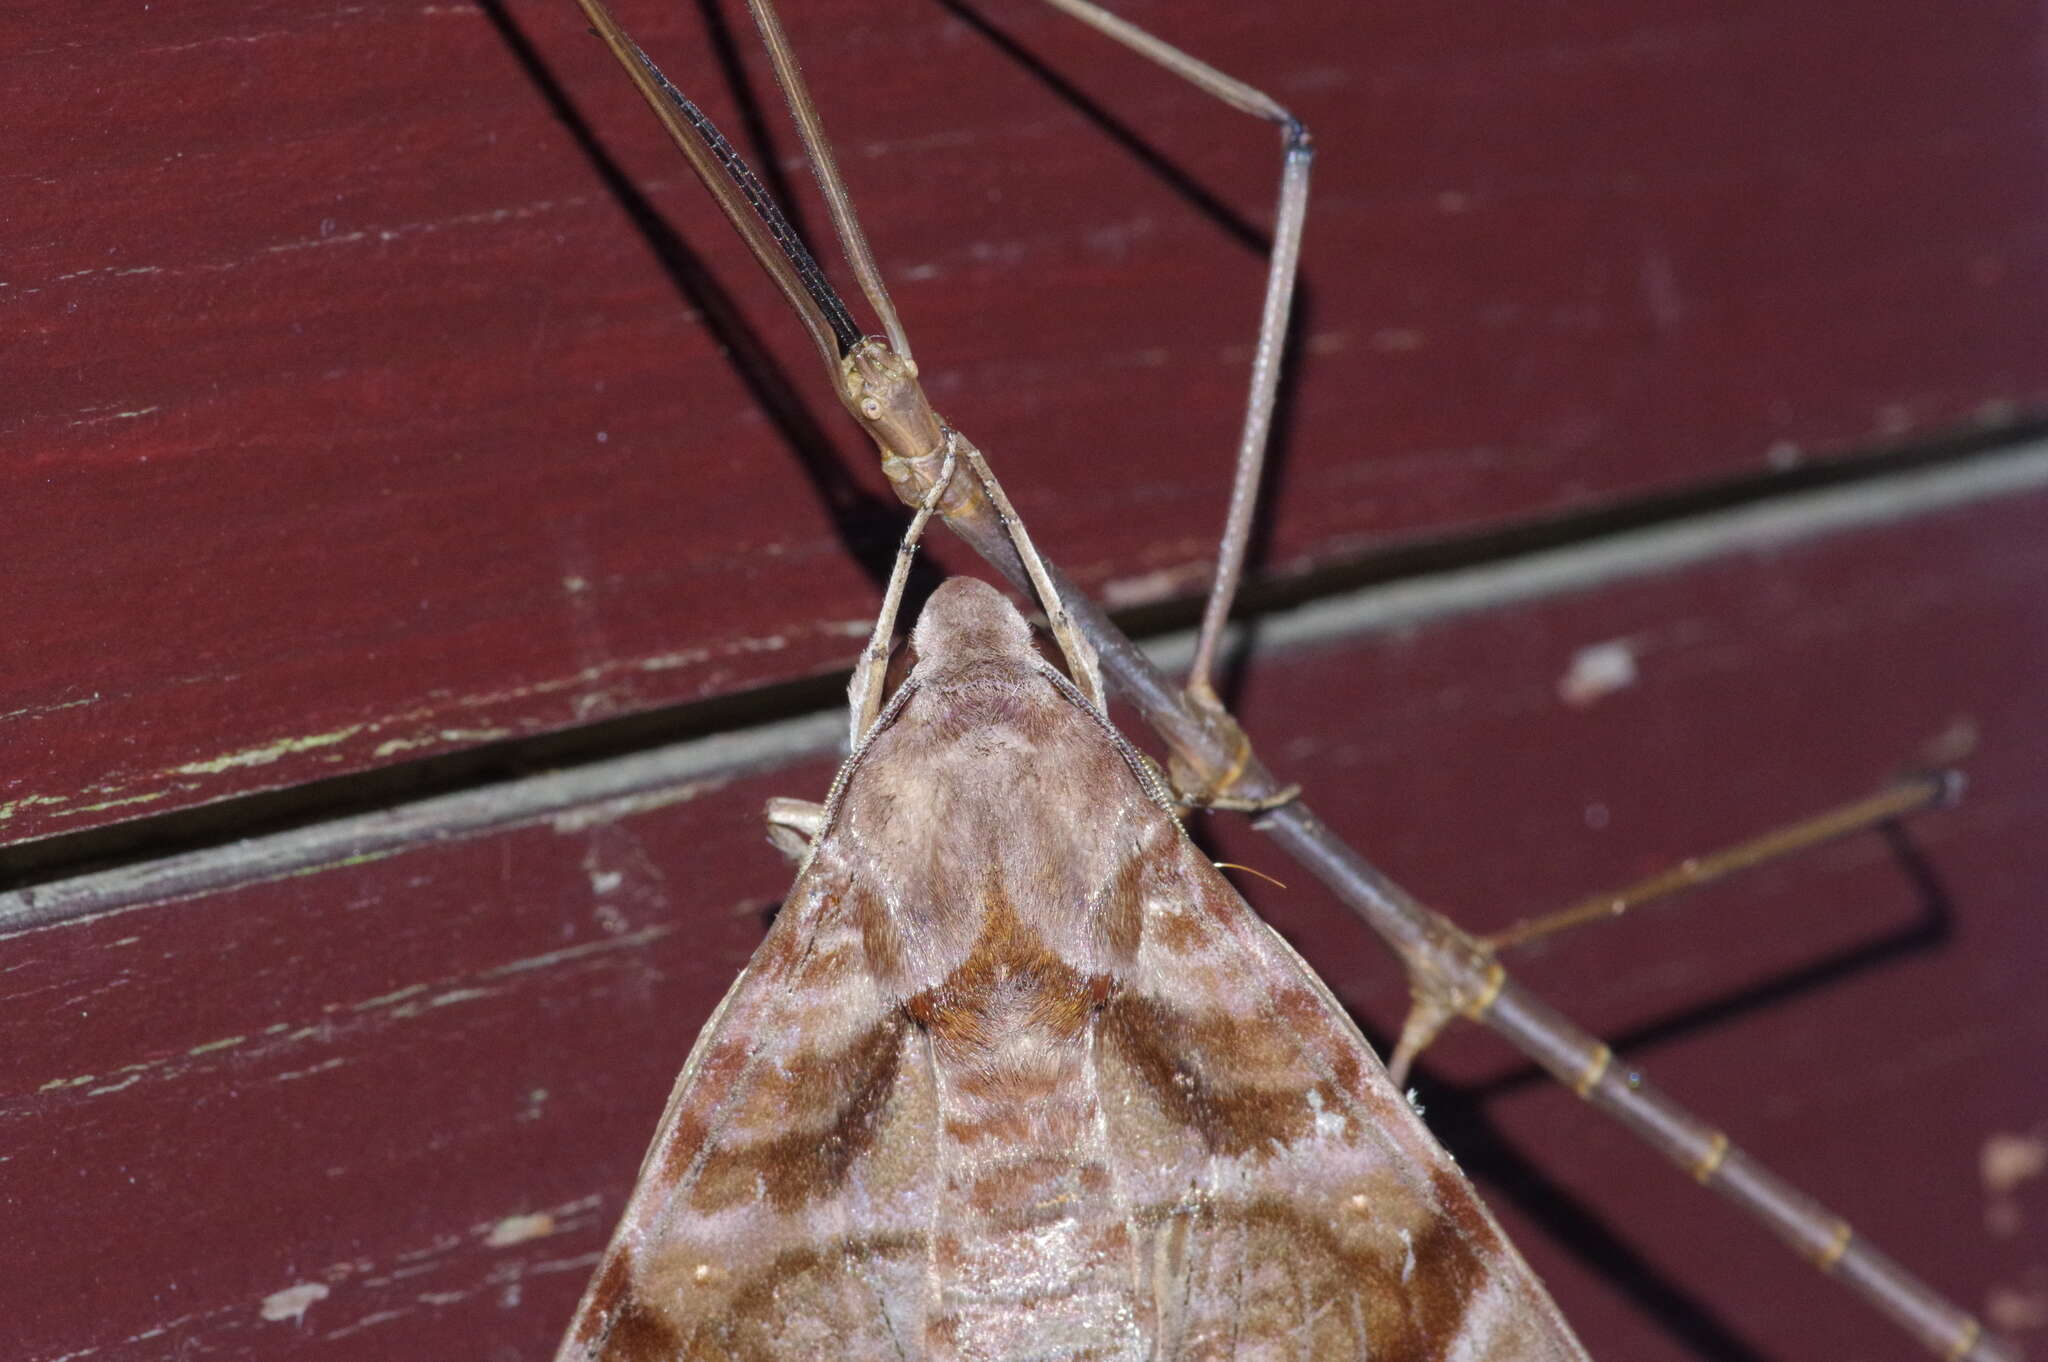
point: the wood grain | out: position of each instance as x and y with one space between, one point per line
389 1108
362 403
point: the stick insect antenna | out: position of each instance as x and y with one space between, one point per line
741 196
853 242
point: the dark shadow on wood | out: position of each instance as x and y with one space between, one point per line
1246 234
1929 929
868 525
1458 1117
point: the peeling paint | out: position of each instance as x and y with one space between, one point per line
79 1081
27 802
2007 1160
322 1067
106 804
1596 672
387 999
293 1302
517 1229
267 753
33 711
130 1081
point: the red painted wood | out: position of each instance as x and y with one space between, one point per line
349 418
422 1083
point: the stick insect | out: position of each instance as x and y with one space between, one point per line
448 323
1452 973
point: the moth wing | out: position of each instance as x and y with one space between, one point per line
1294 1204
776 1212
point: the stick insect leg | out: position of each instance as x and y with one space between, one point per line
864 690
1280 275
1074 645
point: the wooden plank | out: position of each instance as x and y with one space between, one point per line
356 422
391 1107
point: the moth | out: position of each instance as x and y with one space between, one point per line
1017 1074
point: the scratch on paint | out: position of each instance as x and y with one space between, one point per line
26 802
322 1067
28 711
533 962
267 753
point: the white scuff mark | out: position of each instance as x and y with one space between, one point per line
35 711
604 881
106 804
517 1229
130 1081
2006 1161
387 999
1596 672
322 1067
80 1081
367 1322
568 953
2015 1310
1146 587
1784 455
101 416
1659 283
458 995
293 1302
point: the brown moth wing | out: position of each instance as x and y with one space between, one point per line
774 1215
1018 1075
1287 1191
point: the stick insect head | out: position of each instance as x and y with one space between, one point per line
881 391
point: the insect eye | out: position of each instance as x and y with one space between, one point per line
872 409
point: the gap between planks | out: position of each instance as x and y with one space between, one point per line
619 786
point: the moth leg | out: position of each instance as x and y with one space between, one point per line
1281 270
1079 652
864 688
793 824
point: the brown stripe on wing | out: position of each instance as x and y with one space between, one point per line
1298 1206
617 1324
783 1188
1291 1284
824 1110
1209 1073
